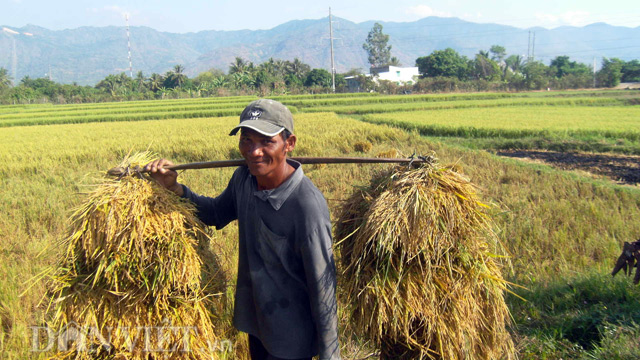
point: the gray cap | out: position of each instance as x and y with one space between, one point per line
268 117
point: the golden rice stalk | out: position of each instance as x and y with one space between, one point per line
419 273
129 283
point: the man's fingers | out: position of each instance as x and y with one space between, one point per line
158 166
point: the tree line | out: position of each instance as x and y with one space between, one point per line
494 69
441 71
243 78
447 70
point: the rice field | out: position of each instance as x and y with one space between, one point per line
562 231
360 104
518 121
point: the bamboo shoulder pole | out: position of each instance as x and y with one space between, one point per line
118 171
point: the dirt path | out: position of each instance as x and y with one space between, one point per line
622 169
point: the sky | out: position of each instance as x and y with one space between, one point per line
193 16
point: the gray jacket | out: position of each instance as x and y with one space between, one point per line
285 292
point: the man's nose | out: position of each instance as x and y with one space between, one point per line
255 149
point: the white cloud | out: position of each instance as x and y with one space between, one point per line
572 18
477 17
576 18
113 10
424 11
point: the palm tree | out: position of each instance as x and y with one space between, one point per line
241 66
179 77
140 80
26 81
515 63
275 67
155 82
111 83
297 68
5 79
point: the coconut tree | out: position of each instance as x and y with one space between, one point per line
111 83
155 82
140 80
297 68
275 67
241 66
175 78
515 63
5 79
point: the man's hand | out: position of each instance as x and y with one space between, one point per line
165 177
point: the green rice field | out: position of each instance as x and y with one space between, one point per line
562 230
519 121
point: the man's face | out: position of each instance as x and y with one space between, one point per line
264 154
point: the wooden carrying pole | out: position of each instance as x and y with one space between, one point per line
303 160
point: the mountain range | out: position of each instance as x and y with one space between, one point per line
86 55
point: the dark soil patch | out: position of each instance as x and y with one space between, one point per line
623 169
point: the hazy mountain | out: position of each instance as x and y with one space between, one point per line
86 55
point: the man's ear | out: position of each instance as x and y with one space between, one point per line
290 143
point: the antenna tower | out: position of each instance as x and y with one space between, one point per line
594 71
531 47
333 68
126 17
14 62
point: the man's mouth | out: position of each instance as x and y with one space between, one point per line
256 162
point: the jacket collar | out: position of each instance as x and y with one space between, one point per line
276 197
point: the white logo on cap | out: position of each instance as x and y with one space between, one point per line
255 114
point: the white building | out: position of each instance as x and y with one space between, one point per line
398 75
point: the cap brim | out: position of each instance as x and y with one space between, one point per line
263 127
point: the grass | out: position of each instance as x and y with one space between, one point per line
555 225
587 316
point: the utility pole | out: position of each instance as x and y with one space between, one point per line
126 17
594 72
529 47
14 62
333 68
533 47
50 76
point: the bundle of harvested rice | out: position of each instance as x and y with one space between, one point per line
419 275
129 283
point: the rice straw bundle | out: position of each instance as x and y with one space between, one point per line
419 275
129 283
